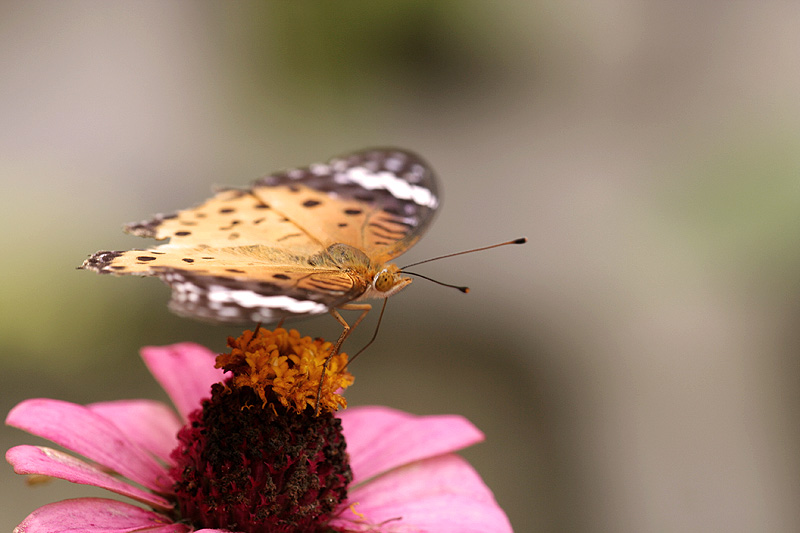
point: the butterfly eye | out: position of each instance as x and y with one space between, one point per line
383 281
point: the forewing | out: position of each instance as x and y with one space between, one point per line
230 218
380 200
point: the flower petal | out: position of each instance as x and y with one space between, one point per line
53 463
186 371
78 429
379 438
442 494
96 515
150 424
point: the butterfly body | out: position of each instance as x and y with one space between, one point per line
300 242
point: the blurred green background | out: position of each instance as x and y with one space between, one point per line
635 366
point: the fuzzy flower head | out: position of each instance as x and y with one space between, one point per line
281 365
230 462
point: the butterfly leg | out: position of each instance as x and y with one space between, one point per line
364 308
374 336
254 335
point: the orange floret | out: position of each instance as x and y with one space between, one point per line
289 366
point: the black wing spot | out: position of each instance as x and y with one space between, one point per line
342 224
187 260
364 197
182 233
324 187
290 235
233 236
311 203
386 233
170 216
280 276
117 267
353 211
234 270
233 223
200 215
227 210
145 258
258 221
261 206
206 258
382 236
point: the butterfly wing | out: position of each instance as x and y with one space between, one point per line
245 255
231 287
231 218
380 201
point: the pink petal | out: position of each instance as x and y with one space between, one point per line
150 424
77 428
380 439
441 494
186 371
96 515
53 463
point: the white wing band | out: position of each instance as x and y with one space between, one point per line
397 187
253 300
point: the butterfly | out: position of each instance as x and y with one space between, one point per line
299 242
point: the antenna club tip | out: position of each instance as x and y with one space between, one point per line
521 240
465 290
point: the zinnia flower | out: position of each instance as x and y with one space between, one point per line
250 459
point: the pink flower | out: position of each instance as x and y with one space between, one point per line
404 475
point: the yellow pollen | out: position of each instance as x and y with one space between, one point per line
353 510
287 365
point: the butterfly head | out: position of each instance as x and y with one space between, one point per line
381 280
387 281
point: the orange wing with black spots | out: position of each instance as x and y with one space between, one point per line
261 254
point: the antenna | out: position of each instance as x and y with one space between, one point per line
521 240
465 290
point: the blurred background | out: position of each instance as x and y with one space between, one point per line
634 367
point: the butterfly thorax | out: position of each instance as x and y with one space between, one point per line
379 280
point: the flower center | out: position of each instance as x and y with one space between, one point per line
256 458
